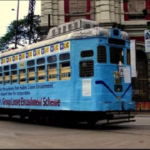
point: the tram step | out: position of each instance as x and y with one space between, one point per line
118 122
122 117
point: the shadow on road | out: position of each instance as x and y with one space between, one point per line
69 125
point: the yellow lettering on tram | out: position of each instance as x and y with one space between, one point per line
38 52
56 48
46 50
16 57
66 45
10 59
4 60
30 54
23 56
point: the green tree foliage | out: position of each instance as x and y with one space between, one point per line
23 32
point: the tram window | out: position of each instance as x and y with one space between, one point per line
101 54
14 66
65 71
14 81
0 69
31 75
6 77
40 61
128 57
41 74
51 59
86 69
53 66
65 56
116 55
31 63
6 68
14 77
41 68
88 53
1 78
14 72
52 72
22 71
22 76
116 41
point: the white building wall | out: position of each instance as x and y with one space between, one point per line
103 11
56 10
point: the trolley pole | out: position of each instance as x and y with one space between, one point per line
17 25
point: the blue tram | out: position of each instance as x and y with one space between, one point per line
82 73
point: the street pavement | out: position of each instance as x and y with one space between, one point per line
17 134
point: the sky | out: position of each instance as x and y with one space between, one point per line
7 15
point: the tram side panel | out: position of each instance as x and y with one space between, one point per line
48 95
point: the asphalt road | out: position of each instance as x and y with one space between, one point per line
16 134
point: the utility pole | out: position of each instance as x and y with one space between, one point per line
30 17
17 25
49 21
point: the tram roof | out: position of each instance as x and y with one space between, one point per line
86 33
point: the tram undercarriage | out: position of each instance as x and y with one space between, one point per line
91 118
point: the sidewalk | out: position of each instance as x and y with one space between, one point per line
142 113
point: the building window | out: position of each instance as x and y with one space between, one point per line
135 8
77 7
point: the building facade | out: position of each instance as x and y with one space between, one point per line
128 13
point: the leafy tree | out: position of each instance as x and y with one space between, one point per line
24 32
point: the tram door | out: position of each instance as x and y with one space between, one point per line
140 84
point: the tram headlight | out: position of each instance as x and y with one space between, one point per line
118 88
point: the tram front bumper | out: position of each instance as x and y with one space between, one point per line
118 106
